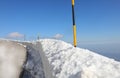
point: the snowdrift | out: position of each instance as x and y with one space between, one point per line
12 58
57 59
70 62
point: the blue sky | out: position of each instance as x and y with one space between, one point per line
97 21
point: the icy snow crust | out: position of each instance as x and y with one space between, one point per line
70 62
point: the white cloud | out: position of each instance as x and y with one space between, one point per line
58 36
15 35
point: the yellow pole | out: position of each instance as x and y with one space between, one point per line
73 2
74 26
74 36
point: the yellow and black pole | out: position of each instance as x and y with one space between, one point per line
74 26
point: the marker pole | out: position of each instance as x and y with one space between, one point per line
74 26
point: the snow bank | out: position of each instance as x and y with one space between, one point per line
70 62
65 61
33 67
12 58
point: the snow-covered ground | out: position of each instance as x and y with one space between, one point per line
12 58
70 62
57 59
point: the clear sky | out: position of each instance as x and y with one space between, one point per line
96 20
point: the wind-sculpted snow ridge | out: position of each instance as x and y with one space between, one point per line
70 62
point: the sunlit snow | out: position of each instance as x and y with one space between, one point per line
57 59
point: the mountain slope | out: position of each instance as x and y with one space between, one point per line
70 62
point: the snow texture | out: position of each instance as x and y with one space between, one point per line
70 62
12 58
49 58
33 68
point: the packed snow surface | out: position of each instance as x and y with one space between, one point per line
70 62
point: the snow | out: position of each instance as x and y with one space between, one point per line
33 68
70 62
12 57
50 58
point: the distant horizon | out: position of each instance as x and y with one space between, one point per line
108 49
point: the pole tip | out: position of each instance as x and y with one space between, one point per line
75 46
73 2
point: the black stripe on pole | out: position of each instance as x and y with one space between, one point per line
73 16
